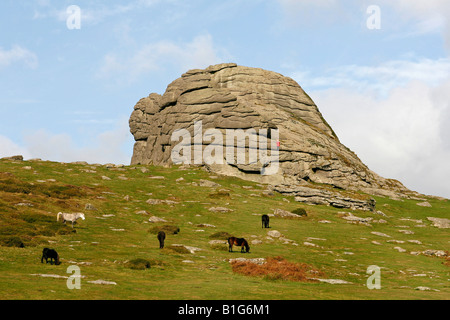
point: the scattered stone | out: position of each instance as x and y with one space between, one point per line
49 276
406 231
424 204
309 244
415 241
106 178
350 217
220 209
103 282
380 234
160 201
395 241
381 213
318 239
207 183
205 225
399 249
142 212
425 289
24 204
89 206
157 177
436 253
258 261
188 261
413 220
332 281
155 219
274 234
189 248
324 221
213 242
15 158
285 214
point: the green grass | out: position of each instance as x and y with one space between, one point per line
114 241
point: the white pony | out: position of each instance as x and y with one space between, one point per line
72 217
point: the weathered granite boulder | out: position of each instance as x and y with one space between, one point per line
227 96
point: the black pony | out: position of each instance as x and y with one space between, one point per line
50 254
265 221
161 237
238 242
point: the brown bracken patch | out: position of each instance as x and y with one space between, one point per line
278 268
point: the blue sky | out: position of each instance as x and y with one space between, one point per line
66 95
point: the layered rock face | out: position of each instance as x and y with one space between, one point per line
313 165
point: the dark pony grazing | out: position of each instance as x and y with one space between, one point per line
161 237
241 242
50 254
265 221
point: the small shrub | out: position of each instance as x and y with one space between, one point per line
300 211
168 229
12 242
138 264
178 249
221 194
218 246
221 235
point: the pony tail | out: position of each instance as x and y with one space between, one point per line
57 216
57 260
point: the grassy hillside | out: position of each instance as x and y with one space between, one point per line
117 231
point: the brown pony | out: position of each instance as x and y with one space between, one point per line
238 242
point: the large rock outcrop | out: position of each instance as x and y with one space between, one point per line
313 165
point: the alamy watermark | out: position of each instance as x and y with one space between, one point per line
73 20
374 281
214 152
373 22
74 281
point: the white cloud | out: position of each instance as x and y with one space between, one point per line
94 13
114 146
402 136
18 54
9 148
379 78
198 53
